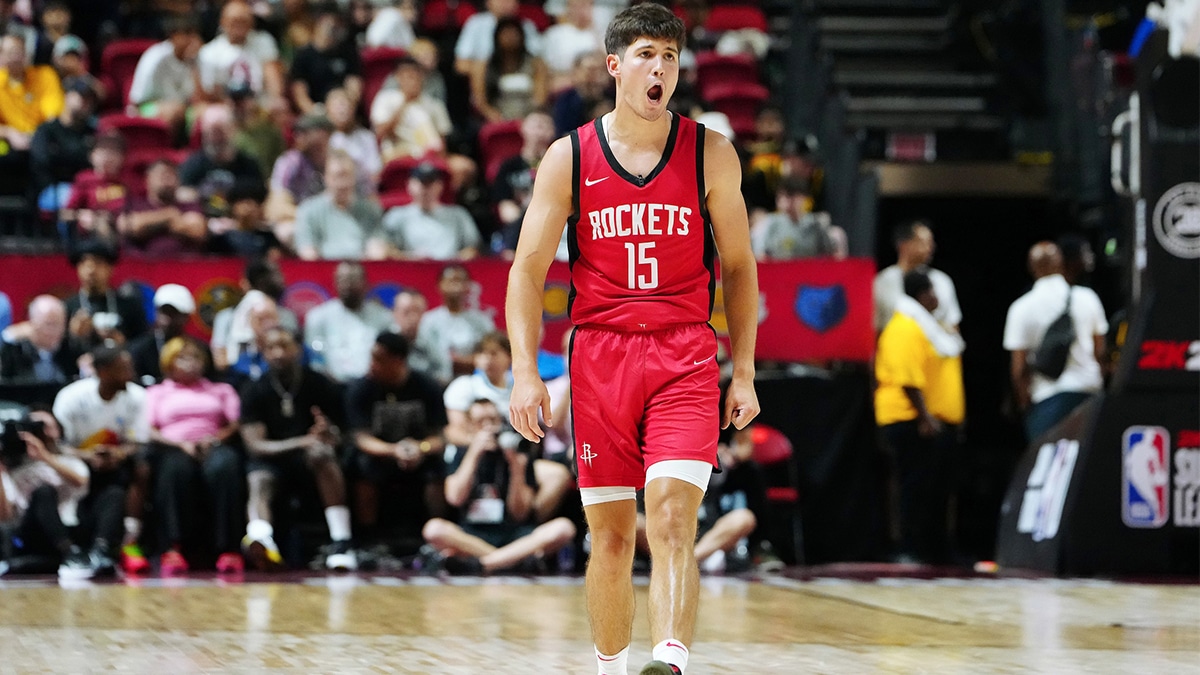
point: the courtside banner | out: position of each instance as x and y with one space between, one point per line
808 310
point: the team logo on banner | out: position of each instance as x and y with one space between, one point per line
1177 220
1145 471
213 296
821 308
303 296
555 301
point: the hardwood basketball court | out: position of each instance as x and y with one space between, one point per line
781 624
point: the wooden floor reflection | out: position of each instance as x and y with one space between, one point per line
368 624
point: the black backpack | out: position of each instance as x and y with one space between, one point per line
1050 358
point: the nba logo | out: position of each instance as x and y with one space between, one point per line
1144 475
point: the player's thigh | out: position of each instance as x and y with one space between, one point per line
607 403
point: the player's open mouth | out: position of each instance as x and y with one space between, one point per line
655 93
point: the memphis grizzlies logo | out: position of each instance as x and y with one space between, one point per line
821 308
1145 470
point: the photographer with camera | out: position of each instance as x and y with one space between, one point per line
492 482
493 381
40 490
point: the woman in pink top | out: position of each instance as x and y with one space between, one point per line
198 475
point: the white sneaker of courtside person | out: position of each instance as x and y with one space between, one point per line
341 557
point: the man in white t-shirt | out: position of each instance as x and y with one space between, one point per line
576 33
343 329
1047 401
393 25
103 423
914 249
164 82
240 57
454 328
478 34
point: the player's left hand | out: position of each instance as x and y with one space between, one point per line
741 404
529 395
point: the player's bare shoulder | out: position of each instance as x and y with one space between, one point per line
555 174
722 166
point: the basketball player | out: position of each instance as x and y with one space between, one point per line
644 194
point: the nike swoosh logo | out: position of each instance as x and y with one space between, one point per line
604 659
589 182
675 644
696 363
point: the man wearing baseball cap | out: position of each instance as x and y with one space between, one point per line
173 308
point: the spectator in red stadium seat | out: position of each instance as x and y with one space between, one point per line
477 38
393 24
29 95
410 123
157 225
329 62
339 223
258 135
207 175
512 81
60 148
298 173
514 182
99 195
70 61
407 122
427 229
576 34
165 82
351 137
241 55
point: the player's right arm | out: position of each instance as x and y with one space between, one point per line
541 231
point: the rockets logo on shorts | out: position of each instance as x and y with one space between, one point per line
1144 475
587 455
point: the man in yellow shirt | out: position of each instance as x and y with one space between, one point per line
29 95
919 404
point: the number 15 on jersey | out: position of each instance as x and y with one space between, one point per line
639 254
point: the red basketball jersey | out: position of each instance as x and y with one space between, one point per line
641 247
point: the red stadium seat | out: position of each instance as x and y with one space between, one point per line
377 64
773 452
536 14
393 180
497 142
723 17
394 198
740 103
713 69
140 133
441 17
118 62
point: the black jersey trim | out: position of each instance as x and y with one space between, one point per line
621 171
573 220
710 245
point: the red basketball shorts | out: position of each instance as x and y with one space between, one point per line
638 398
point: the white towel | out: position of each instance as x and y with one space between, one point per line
946 343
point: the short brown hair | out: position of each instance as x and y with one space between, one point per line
647 19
